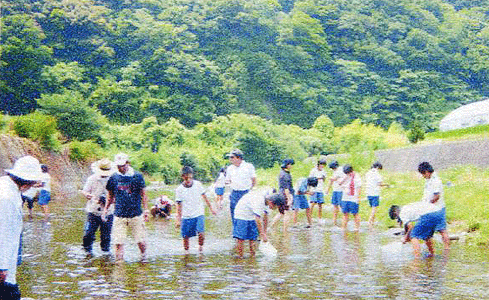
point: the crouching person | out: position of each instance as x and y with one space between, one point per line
251 217
419 220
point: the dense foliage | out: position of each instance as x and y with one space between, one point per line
290 61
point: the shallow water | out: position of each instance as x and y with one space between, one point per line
321 262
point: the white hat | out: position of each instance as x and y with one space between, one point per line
27 168
121 159
104 167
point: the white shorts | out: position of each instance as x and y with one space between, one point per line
119 229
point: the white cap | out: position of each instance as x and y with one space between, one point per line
27 168
121 159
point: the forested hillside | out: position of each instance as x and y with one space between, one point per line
289 61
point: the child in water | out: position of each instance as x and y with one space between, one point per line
190 208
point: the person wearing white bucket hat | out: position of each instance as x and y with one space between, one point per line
25 173
96 193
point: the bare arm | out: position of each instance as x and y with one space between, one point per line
208 204
435 198
144 199
178 220
262 232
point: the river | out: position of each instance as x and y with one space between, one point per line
321 262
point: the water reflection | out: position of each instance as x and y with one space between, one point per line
321 262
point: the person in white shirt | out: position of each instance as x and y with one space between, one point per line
251 217
25 173
241 178
419 221
95 192
190 197
373 183
351 184
317 196
334 183
433 193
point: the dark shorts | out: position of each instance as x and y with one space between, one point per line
30 201
427 224
373 201
336 198
245 230
191 227
348 207
44 197
317 197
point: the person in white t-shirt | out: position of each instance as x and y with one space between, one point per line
190 208
241 178
251 217
373 183
419 220
351 184
317 196
433 193
334 184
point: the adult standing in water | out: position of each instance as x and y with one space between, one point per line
96 193
433 193
25 174
126 188
241 178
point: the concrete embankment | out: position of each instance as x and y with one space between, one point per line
442 155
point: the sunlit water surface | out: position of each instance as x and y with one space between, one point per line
321 262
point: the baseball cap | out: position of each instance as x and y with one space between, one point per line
236 152
121 159
27 168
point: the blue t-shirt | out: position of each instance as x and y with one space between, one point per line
127 194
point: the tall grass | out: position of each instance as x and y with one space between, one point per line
471 132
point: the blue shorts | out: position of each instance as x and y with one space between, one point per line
44 197
219 191
300 202
192 226
348 207
336 198
317 197
373 201
245 230
427 224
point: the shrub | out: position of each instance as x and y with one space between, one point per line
38 127
84 151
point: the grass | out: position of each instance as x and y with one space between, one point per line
464 133
465 194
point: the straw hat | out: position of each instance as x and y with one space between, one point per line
104 167
27 168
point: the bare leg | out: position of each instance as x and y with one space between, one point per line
239 247
312 207
308 215
201 241
320 210
45 209
186 244
357 221
445 238
371 220
252 248
345 221
296 212
119 252
431 249
416 248
336 209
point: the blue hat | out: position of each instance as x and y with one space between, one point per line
287 161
